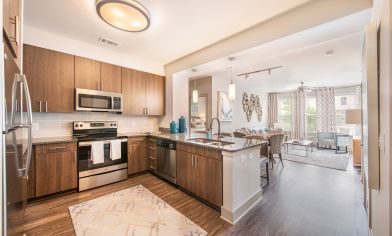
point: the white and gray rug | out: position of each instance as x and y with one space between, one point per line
322 157
130 212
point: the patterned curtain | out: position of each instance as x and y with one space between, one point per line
325 108
272 109
298 117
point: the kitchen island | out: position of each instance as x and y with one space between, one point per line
225 172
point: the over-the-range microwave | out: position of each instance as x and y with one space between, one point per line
93 100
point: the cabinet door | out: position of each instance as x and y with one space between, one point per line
12 25
110 78
67 82
87 73
134 91
137 156
55 172
209 174
33 67
186 171
155 95
51 81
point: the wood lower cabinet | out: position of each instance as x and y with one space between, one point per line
55 168
87 73
151 153
50 75
201 175
137 161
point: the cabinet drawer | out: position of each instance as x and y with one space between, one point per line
194 149
56 147
132 140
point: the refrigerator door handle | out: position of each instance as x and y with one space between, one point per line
28 125
13 101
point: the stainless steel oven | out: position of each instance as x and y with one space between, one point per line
108 170
93 100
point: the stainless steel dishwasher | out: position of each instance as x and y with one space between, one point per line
166 160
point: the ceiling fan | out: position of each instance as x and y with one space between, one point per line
304 88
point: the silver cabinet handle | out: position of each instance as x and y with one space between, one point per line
193 160
55 148
46 106
15 21
146 111
196 161
40 106
97 85
101 86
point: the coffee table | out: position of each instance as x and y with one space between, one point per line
302 143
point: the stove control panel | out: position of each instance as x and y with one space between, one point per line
81 125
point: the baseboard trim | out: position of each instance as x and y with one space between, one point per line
237 214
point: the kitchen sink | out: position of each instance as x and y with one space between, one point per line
213 142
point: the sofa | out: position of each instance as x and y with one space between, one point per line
326 139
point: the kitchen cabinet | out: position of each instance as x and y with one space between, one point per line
55 168
137 161
110 78
155 96
143 93
151 153
50 76
134 91
12 25
200 171
87 73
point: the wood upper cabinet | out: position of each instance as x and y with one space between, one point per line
12 25
110 78
155 95
50 75
87 73
143 93
56 168
137 161
133 90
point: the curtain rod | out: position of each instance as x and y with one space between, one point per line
339 87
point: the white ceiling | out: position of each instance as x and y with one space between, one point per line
302 56
178 27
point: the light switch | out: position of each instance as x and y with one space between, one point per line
251 156
35 126
133 124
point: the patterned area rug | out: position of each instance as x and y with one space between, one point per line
134 211
322 157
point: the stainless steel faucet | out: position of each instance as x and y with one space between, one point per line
212 121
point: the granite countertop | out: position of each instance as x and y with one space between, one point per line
50 140
238 143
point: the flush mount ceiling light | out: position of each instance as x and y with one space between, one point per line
127 15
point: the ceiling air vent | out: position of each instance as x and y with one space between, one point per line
108 41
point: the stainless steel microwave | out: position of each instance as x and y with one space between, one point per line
93 100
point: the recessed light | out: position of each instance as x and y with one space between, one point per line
127 15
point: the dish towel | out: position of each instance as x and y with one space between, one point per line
97 152
115 149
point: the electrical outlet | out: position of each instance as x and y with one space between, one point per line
35 126
251 156
243 158
133 124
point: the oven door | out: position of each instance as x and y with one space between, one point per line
85 162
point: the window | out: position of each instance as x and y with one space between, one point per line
284 111
346 98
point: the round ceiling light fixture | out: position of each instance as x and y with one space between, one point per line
127 15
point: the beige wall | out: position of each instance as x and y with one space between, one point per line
311 14
380 203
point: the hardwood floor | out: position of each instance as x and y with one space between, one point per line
300 200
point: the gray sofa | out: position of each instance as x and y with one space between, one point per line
327 139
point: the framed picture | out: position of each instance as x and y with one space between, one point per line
225 107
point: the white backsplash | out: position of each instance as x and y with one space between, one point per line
60 124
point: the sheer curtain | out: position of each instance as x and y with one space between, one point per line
272 109
325 110
298 116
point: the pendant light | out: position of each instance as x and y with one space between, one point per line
195 95
127 15
231 87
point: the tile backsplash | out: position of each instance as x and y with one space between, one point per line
60 124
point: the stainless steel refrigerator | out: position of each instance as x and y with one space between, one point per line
16 144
